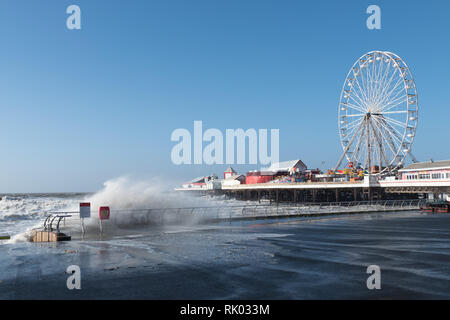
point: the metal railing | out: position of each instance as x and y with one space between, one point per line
175 215
52 218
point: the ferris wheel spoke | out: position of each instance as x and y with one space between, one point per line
378 77
382 77
392 131
353 126
354 121
380 146
355 107
350 125
357 99
398 135
402 145
351 129
363 76
367 82
388 95
389 141
391 144
373 78
356 90
362 87
388 85
393 95
382 103
358 103
367 79
356 115
360 95
394 112
352 132
371 82
401 124
394 104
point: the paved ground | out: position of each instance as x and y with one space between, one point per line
322 258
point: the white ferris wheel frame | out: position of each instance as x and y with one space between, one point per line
387 139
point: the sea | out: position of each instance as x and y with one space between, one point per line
22 212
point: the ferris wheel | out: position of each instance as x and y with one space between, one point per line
378 112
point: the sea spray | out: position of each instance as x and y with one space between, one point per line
124 193
133 203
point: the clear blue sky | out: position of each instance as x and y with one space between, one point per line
81 107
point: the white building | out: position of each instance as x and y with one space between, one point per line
291 167
430 171
234 180
229 173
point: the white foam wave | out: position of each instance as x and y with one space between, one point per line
126 193
20 214
119 194
24 207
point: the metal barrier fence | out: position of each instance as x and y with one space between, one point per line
250 211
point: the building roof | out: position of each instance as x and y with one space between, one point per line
427 165
197 180
286 165
234 177
230 169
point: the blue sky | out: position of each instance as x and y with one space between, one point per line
79 107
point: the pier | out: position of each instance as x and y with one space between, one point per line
369 189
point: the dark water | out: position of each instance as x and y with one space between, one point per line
322 258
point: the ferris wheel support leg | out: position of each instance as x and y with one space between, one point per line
369 147
348 147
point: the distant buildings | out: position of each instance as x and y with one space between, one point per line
427 178
234 180
431 170
288 167
287 171
199 182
